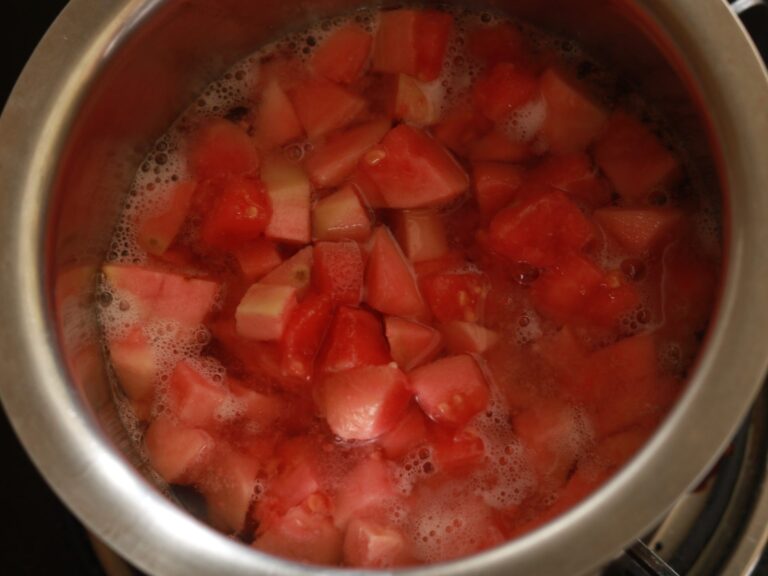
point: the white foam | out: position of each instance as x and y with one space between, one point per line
524 124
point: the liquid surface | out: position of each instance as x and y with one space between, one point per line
383 301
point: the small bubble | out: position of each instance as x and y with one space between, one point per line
633 269
294 152
237 114
524 274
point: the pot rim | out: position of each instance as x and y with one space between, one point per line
110 496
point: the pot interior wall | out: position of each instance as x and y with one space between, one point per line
166 52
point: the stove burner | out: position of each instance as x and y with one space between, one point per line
721 527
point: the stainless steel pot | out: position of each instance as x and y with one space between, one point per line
108 78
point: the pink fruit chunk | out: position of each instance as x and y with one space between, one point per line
276 120
135 364
343 56
257 258
634 159
422 235
341 216
195 399
354 339
304 535
256 408
158 229
331 162
365 402
554 436
415 102
370 486
289 194
390 281
411 343
371 544
454 450
264 310
221 148
229 486
640 230
407 434
300 477
338 271
295 272
324 106
413 170
450 390
574 119
468 337
496 185
177 452
159 295
539 229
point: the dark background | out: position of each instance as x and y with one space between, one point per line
38 536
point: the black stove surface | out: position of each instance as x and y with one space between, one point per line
38 535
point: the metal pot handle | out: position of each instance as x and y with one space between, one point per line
739 7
